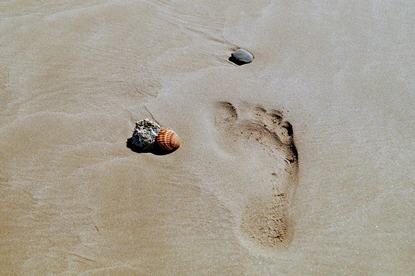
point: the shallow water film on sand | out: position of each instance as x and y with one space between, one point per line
299 162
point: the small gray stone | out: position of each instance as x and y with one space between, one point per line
145 134
241 56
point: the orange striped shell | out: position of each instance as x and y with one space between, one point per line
168 139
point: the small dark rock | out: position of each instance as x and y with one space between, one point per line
241 57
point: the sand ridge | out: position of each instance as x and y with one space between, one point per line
263 143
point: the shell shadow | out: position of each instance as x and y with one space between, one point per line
157 150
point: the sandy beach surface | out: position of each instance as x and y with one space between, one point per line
299 163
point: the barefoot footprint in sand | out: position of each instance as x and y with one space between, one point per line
264 177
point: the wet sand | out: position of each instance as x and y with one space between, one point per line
299 163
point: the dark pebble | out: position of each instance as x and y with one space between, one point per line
241 57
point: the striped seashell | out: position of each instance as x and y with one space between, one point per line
168 139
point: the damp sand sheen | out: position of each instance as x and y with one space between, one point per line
297 159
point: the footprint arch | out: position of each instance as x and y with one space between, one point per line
265 177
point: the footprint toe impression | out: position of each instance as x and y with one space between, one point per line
261 141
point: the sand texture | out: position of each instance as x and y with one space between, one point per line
300 162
